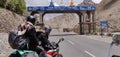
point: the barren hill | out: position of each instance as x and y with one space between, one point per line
9 20
109 10
64 21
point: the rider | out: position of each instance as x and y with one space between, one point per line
30 32
47 29
43 35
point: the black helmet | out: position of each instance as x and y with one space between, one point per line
31 19
47 28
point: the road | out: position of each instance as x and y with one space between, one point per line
73 46
80 46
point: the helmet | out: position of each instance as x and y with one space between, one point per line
31 19
34 12
47 28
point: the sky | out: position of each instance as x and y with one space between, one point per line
97 1
57 2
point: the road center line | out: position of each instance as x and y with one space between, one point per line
90 54
70 42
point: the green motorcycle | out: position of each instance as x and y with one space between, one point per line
24 53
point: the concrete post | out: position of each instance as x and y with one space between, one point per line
80 22
41 22
89 25
93 20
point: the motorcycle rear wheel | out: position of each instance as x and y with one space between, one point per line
33 54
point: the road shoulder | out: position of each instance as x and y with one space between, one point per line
100 38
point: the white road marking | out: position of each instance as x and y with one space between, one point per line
90 54
70 42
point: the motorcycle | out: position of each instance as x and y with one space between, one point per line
52 52
116 41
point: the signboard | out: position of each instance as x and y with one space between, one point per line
104 23
35 5
48 8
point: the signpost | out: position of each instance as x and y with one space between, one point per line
103 24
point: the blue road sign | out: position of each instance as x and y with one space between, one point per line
60 8
104 23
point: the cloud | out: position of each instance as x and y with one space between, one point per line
97 1
56 4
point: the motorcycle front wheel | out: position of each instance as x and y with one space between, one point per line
58 55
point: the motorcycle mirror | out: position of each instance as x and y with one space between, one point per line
116 38
115 56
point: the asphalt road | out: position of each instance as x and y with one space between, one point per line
80 46
73 46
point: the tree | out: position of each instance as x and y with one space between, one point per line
17 6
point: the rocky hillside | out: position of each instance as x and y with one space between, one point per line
64 21
107 10
9 20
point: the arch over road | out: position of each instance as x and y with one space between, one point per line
79 10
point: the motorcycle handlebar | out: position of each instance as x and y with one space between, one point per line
55 45
62 39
